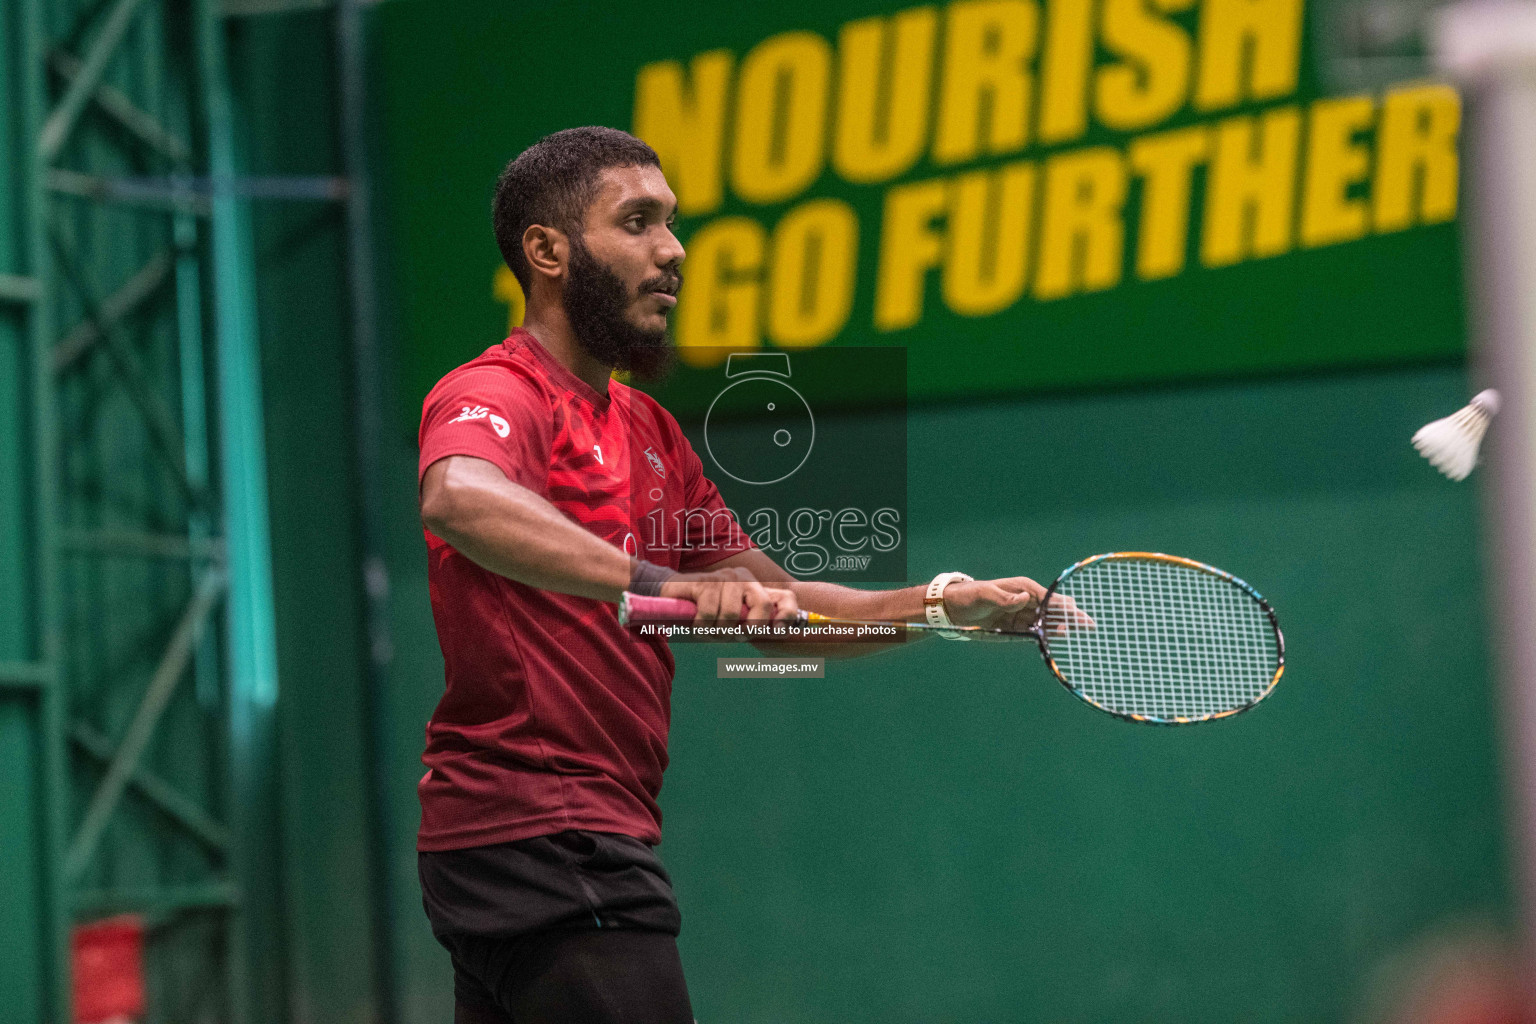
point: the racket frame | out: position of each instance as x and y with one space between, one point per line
1042 638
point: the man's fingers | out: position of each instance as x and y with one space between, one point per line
719 600
731 597
707 600
760 604
1063 615
1022 584
786 606
1013 603
770 604
728 597
1079 618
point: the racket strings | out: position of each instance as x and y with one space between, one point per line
1169 641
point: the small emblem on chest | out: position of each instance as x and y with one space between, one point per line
598 449
655 461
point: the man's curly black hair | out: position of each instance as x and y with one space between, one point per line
552 183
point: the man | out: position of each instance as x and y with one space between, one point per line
538 473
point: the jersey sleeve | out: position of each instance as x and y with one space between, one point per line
712 532
489 414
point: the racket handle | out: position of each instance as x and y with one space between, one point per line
639 609
635 609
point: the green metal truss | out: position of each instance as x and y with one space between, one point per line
137 652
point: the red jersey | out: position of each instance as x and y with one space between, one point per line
554 716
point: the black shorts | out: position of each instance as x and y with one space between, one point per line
576 926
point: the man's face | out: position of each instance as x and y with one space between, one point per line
622 276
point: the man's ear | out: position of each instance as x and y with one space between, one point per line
546 250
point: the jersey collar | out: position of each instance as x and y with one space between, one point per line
555 370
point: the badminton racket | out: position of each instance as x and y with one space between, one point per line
1142 636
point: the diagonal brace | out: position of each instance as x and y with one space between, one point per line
162 429
125 761
118 306
138 122
181 809
62 120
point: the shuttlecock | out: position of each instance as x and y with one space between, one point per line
1451 444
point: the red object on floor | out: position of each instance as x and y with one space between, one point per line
108 969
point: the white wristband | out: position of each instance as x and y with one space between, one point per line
933 603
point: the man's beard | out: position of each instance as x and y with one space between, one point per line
595 302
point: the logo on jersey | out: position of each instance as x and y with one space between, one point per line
599 450
655 461
480 412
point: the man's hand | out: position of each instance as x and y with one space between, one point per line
726 597
1011 603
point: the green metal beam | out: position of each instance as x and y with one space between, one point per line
255 973
101 188
142 545
54 760
191 193
194 418
17 289
351 39
16 675
157 901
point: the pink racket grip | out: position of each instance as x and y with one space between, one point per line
638 610
635 609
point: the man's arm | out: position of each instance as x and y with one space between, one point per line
512 531
506 528
904 605
1009 603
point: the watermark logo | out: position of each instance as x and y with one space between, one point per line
809 542
783 428
808 465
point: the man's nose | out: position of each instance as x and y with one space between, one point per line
671 252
